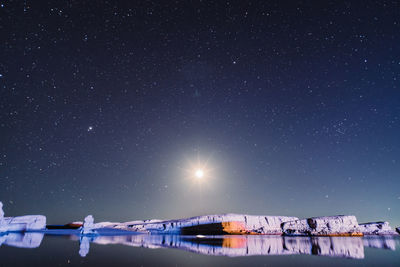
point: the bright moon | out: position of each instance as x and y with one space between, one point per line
199 173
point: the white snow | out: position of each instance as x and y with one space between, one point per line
1 211
252 223
377 228
88 227
21 223
331 225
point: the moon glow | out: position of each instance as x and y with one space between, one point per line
199 173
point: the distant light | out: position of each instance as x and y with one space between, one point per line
90 128
199 173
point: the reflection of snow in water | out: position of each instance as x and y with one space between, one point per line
84 246
231 245
385 242
21 240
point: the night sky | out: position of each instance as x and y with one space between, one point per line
109 107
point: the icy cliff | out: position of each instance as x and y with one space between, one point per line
21 223
240 224
210 225
320 226
377 228
88 227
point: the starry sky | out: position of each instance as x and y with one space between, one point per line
289 107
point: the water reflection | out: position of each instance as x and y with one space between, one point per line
231 246
84 246
383 242
21 240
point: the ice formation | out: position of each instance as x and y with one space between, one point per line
331 226
210 224
88 227
220 224
240 224
377 228
1 211
21 223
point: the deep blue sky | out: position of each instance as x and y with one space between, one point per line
107 106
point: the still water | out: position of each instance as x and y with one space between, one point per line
36 249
